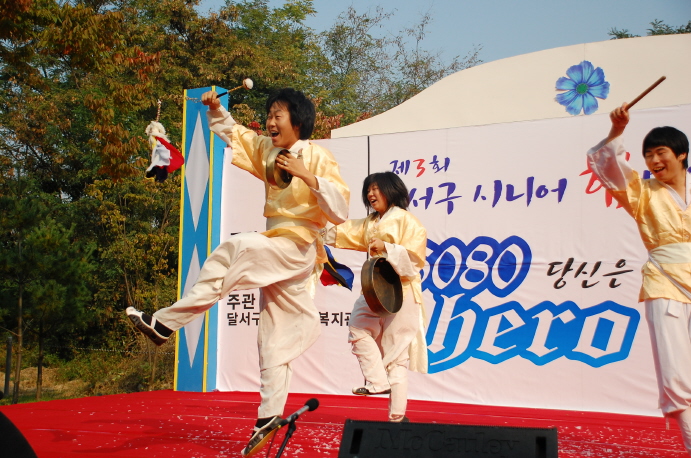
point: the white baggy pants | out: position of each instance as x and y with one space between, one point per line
288 319
670 337
381 346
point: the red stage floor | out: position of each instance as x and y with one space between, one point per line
175 424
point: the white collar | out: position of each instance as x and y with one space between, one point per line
298 146
682 202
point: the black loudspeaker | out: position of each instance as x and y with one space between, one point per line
383 439
12 443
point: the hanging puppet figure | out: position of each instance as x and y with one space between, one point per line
165 158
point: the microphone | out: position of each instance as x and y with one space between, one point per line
310 405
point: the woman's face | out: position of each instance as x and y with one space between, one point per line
376 199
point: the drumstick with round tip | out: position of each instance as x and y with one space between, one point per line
246 83
644 93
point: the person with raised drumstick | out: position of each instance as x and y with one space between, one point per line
386 347
660 207
282 261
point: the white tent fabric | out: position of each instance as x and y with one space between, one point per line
522 88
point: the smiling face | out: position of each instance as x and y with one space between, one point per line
376 199
664 164
283 134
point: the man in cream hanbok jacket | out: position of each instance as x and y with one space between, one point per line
660 207
283 261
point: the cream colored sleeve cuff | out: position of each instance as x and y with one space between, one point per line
221 123
330 201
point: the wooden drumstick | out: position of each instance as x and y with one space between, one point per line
644 93
246 83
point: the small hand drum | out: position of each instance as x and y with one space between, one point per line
276 176
381 286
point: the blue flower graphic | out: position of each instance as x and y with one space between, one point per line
583 84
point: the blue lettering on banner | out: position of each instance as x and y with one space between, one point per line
460 329
447 192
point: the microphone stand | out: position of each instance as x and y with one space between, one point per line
289 434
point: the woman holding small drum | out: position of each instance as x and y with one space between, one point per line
388 344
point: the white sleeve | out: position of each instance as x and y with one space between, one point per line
331 201
608 163
221 123
399 258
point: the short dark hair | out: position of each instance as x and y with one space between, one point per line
301 109
391 186
670 137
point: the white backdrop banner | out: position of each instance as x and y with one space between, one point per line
532 277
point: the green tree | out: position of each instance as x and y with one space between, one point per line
70 86
243 39
71 112
59 293
366 71
42 264
657 27
418 68
356 60
137 230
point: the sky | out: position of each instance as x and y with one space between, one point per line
504 28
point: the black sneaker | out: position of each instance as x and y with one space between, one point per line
147 325
364 391
260 436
